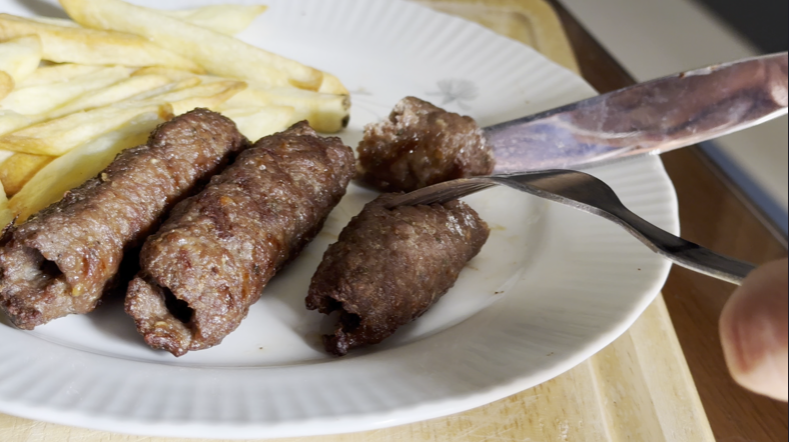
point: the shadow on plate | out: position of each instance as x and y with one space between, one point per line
40 7
110 318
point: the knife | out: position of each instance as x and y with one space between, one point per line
647 118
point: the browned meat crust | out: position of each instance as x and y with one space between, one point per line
421 145
390 266
63 259
212 258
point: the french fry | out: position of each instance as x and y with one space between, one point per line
332 85
20 56
218 53
126 88
6 154
17 170
257 122
6 84
326 113
209 96
11 121
225 19
55 21
172 74
58 136
67 44
167 88
6 216
58 73
77 166
177 74
44 98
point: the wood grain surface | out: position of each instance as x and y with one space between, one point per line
637 389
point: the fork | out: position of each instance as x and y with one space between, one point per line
589 194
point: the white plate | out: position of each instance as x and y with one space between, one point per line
551 287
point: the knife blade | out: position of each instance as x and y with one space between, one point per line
647 118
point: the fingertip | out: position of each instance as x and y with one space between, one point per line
753 330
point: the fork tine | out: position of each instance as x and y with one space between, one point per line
441 193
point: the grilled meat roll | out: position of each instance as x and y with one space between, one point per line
64 258
390 266
421 145
217 251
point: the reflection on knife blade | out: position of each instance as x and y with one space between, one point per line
647 118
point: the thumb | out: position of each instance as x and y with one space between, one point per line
753 328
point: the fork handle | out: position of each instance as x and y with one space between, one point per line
684 253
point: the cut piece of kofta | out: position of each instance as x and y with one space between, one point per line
420 145
390 266
216 252
64 258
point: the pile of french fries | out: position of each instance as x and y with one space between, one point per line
74 93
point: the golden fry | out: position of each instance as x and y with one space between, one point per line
34 100
6 216
225 19
258 122
58 136
77 166
57 73
218 53
172 74
326 113
6 84
178 75
208 95
67 44
11 121
19 168
332 85
6 154
127 88
56 21
20 56
167 88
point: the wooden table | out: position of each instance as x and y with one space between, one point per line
640 387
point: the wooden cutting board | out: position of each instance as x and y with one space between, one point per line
637 389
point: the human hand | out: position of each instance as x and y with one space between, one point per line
753 329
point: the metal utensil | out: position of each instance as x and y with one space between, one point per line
647 118
589 194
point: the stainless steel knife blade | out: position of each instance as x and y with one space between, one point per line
647 118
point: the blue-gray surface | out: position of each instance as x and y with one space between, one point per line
763 22
752 190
